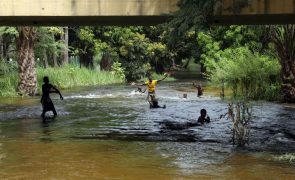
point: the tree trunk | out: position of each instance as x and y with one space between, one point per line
1 48
86 57
45 58
203 69
65 39
284 40
86 60
55 64
288 78
54 56
26 61
106 62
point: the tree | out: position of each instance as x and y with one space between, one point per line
85 45
26 61
48 45
65 51
191 18
133 48
284 39
7 41
1 47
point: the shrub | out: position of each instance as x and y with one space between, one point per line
248 74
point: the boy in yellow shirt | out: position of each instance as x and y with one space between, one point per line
151 86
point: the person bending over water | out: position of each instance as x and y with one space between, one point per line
46 101
155 104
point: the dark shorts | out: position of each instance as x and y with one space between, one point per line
151 96
47 105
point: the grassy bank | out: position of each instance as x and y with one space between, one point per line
70 76
8 84
63 78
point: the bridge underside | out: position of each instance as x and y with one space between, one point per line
248 12
138 12
141 20
81 20
264 19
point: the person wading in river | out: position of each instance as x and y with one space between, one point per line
199 88
151 86
46 101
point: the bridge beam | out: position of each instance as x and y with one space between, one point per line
82 20
139 12
227 12
85 12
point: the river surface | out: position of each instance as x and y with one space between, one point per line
111 133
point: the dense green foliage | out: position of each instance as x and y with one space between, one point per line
231 55
132 47
246 73
240 57
235 57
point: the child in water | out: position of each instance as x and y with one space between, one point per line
180 126
151 87
46 101
204 117
199 89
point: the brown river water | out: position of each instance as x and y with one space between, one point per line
109 132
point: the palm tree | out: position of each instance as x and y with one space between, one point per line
26 61
284 39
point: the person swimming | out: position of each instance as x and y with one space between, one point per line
203 117
171 125
155 104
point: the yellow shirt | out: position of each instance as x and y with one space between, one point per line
151 85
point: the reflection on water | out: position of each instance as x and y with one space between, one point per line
110 132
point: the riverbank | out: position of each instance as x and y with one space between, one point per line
63 77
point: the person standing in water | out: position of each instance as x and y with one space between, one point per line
46 101
151 86
199 88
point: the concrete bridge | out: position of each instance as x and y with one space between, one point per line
138 12
85 12
254 12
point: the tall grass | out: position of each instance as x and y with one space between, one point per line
8 78
73 76
8 84
62 77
